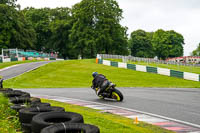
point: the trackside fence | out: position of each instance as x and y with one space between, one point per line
25 58
9 55
156 70
147 60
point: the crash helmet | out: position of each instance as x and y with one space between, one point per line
94 74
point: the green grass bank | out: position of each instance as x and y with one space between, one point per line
77 73
109 123
9 122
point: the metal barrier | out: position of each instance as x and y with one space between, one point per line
147 60
155 70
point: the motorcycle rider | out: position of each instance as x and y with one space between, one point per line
100 82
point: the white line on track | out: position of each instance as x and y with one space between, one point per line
146 113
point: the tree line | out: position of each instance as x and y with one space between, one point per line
163 44
196 52
88 28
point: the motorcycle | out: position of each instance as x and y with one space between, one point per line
111 93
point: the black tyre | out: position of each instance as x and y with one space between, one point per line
26 114
35 100
20 100
14 92
17 93
25 94
4 90
27 100
8 89
26 127
71 128
43 120
117 95
17 107
40 104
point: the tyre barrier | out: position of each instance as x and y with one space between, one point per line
19 100
43 120
26 114
71 127
16 93
22 100
36 117
25 103
40 104
26 127
5 90
17 107
35 100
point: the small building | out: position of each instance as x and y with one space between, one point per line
185 59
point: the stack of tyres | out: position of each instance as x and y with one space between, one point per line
43 120
20 103
17 93
16 96
20 99
61 122
40 104
26 115
5 90
37 117
71 128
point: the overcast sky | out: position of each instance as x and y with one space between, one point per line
183 16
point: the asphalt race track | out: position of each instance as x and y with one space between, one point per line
16 70
177 103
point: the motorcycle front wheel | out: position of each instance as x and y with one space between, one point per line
117 95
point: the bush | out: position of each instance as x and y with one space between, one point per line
9 122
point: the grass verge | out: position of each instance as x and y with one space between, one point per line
109 123
77 73
192 69
9 122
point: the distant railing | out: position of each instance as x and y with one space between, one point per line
15 53
147 60
8 55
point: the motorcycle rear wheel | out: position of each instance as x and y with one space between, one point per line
117 95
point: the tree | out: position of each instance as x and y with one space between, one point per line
53 27
60 27
196 52
8 2
111 36
15 31
59 41
140 44
83 34
40 21
96 28
175 42
167 44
